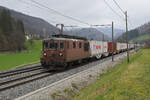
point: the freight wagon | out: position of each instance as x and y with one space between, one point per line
110 47
98 49
121 47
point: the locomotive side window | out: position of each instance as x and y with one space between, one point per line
86 46
55 45
80 45
74 44
61 45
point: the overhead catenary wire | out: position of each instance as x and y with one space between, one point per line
113 10
52 21
119 6
130 23
59 13
122 11
42 6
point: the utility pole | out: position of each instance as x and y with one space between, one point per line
112 41
126 16
103 38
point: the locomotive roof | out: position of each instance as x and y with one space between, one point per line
66 37
69 36
63 39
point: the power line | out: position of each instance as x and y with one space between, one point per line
102 25
41 6
122 11
130 23
59 13
112 9
119 6
52 21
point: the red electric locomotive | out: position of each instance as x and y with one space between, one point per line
61 50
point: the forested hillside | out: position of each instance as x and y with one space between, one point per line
140 34
89 33
108 31
32 24
12 34
131 35
42 28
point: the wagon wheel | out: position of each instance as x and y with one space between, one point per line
98 56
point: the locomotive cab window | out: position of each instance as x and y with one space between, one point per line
61 45
45 45
86 46
53 45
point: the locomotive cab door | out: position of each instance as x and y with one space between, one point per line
86 46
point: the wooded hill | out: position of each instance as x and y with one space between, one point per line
89 33
32 24
41 27
140 34
12 34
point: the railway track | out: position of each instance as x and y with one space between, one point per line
35 74
18 71
15 81
12 78
9 80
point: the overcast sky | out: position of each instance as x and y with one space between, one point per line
90 11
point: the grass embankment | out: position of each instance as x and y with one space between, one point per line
144 37
124 82
13 60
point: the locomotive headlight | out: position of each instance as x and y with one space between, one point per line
44 54
60 54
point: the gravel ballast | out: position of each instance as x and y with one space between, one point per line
43 88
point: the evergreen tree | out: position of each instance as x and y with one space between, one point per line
12 34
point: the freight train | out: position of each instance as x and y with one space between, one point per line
59 51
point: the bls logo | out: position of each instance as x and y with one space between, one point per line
97 47
105 46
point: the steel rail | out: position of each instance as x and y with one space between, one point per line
22 80
18 71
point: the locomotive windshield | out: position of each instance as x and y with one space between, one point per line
50 45
53 45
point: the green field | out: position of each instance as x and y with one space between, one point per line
124 82
13 60
144 37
